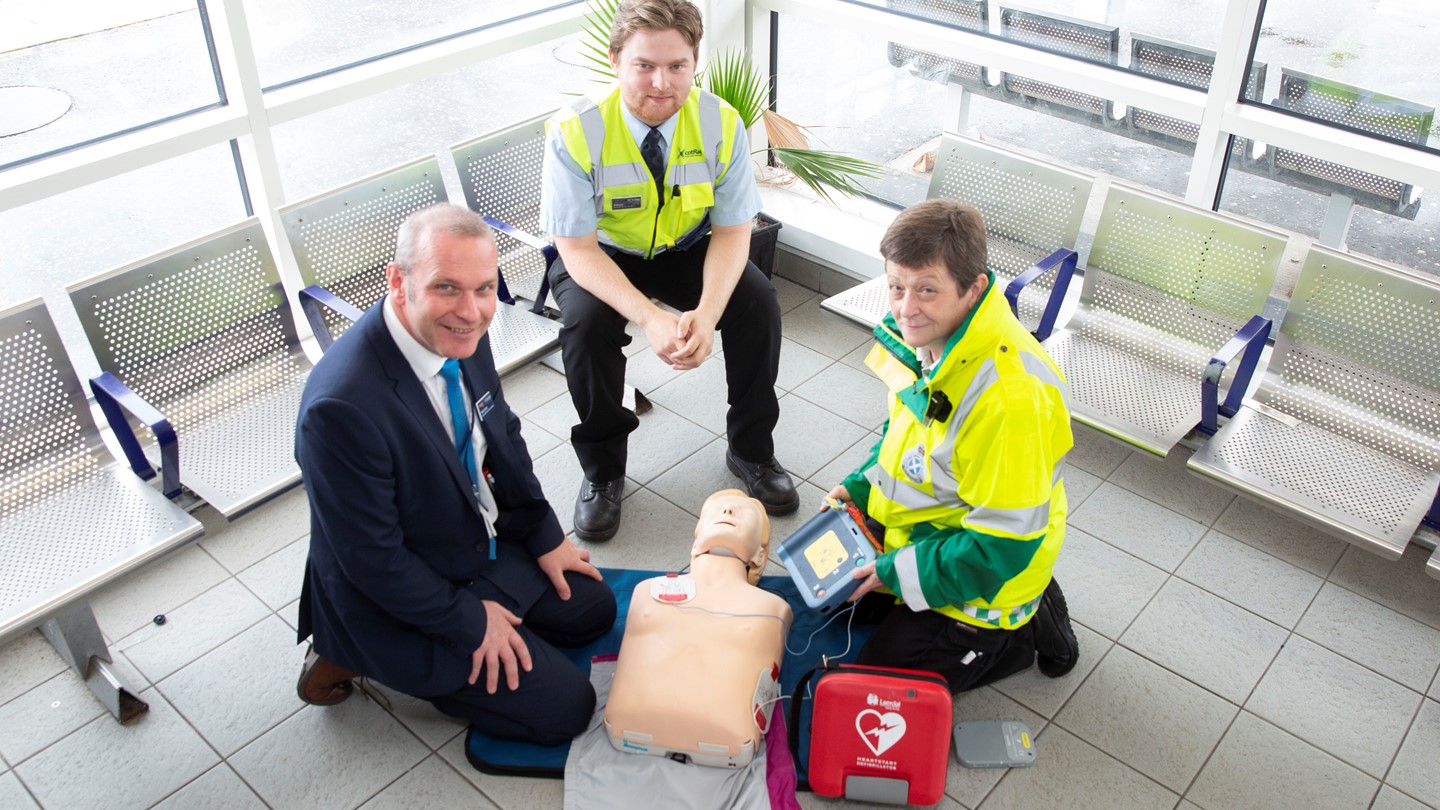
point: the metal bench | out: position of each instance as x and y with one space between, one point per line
1355 108
1189 66
1344 427
500 175
1030 207
971 15
344 238
202 334
1093 42
1166 288
72 517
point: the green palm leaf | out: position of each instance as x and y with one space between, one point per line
595 40
822 170
732 76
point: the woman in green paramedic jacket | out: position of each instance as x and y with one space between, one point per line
967 479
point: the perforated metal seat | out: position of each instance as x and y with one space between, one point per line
72 518
1093 42
500 175
971 15
1344 428
203 334
1166 286
344 238
1358 108
1030 207
1188 65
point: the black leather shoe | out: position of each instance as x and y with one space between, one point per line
767 482
597 510
323 683
1056 650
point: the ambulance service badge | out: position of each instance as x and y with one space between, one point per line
913 464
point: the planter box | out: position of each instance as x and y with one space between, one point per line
764 240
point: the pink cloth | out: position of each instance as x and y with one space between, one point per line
779 767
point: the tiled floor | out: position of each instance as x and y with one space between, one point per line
1230 658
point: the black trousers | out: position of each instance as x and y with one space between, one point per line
933 642
592 346
555 699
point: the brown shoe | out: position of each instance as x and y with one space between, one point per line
323 683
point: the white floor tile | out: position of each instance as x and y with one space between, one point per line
970 786
844 463
137 764
1400 584
1095 452
791 295
690 482
1391 799
1079 485
645 371
1270 531
857 396
532 386
1260 767
1152 720
700 395
663 440
45 714
1373 636
217 789
654 535
242 689
1336 705
1167 482
1045 694
349 753
277 579
420 716
816 329
509 792
1250 578
798 364
855 358
25 663
13 795
432 783
1070 773
130 604
1205 639
240 544
801 424
193 629
556 416
538 440
1142 527
1105 588
1415 771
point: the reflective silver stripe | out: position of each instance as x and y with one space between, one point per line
942 467
687 174
1039 369
908 572
1019 522
710 133
592 125
626 174
908 496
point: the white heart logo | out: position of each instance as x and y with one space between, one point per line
880 731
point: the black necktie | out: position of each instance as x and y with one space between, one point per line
654 161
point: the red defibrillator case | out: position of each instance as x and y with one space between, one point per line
876 734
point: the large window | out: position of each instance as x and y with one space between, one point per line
106 68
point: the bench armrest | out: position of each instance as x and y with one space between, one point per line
1065 259
314 297
545 248
1251 338
115 398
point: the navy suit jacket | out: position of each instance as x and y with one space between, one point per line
399 560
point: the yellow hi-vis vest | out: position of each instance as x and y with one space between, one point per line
630 216
967 477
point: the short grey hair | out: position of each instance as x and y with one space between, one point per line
413 240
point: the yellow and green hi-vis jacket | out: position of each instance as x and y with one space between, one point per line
631 217
967 478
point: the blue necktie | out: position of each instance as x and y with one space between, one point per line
450 370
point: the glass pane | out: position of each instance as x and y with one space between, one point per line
850 84
1366 64
297 39
329 149
68 77
75 235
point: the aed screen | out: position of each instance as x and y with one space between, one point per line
825 554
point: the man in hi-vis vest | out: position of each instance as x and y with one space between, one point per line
648 192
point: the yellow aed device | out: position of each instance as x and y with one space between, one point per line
822 554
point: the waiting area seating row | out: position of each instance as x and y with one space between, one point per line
1344 427
1317 97
199 348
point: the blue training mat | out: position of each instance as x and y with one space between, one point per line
499 756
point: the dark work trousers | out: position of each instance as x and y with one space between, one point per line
555 699
934 642
592 345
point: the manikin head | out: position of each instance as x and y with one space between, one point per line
735 525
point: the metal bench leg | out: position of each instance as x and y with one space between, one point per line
957 106
74 633
1337 221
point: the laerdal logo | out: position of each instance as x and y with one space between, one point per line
873 699
684 153
879 731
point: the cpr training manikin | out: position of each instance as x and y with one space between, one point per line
700 660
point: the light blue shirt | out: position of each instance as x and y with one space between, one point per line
567 196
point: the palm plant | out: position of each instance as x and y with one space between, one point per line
732 76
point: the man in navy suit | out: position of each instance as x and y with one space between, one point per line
436 565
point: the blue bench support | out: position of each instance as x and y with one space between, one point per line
115 399
1251 339
1065 259
314 300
